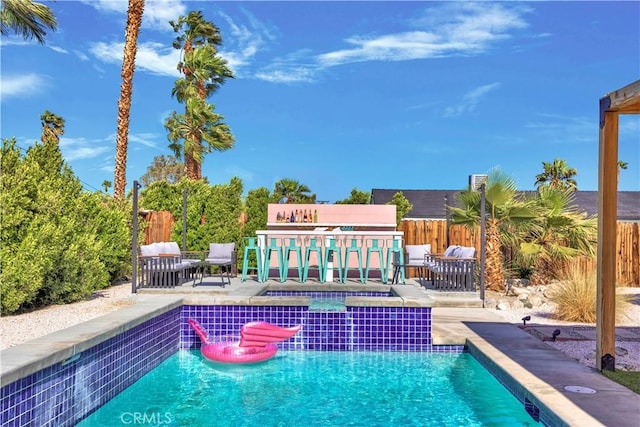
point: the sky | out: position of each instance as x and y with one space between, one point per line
342 95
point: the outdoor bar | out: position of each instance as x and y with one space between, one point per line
353 231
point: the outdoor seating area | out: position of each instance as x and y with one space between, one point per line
164 265
454 270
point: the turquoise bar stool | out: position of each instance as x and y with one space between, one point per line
273 247
354 246
292 246
251 246
312 247
332 249
394 249
375 247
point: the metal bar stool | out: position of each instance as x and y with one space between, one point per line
375 247
394 249
292 246
312 247
272 247
332 249
354 246
251 245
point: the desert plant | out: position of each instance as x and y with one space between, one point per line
576 297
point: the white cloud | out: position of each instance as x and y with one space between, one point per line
155 58
291 75
157 13
81 148
453 29
470 100
246 41
23 85
146 139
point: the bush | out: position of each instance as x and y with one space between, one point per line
576 297
51 249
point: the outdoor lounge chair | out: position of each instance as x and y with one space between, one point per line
454 270
224 256
163 265
415 257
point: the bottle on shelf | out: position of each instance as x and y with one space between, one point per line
310 215
292 218
278 218
315 215
305 218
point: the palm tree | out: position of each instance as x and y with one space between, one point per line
204 72
134 19
557 174
559 233
199 123
27 18
52 127
621 166
505 214
291 191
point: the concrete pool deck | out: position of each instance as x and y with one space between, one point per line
457 320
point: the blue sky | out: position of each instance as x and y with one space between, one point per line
342 95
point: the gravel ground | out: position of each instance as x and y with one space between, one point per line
21 328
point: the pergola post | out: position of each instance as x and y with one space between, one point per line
622 101
607 213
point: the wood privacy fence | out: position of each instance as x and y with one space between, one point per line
434 232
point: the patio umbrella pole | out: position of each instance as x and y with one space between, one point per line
134 240
482 240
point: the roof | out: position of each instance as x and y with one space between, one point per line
430 204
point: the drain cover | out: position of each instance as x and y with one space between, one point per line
579 389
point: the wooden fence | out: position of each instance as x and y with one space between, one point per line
434 232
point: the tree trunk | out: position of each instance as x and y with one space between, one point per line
134 19
494 269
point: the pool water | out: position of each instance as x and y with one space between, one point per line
317 389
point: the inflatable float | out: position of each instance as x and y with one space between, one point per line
256 344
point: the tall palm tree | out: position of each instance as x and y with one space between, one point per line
204 71
27 18
506 212
199 123
134 19
559 233
557 174
291 191
52 127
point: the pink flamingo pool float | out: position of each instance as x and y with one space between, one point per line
257 342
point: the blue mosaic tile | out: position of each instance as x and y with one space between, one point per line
63 394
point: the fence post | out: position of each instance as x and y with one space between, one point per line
134 240
482 240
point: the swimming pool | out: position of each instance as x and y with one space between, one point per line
317 389
69 378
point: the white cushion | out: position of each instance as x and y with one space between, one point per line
466 252
450 250
149 250
220 252
417 252
172 248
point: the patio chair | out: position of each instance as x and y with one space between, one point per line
224 256
163 265
414 257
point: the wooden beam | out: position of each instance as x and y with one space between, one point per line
607 214
625 100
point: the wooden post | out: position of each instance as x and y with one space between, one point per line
607 213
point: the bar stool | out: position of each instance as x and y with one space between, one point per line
354 246
292 246
312 247
394 248
375 247
251 245
332 249
272 247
